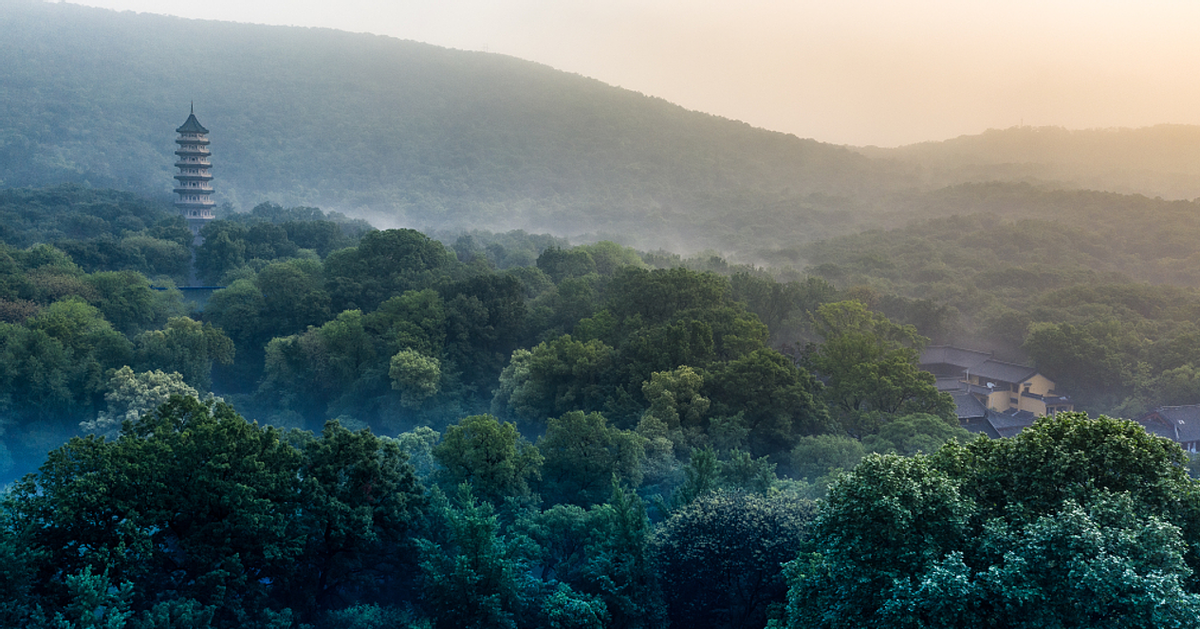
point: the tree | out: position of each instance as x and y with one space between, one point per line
910 434
582 454
470 577
360 498
131 396
207 515
128 303
186 347
562 264
718 559
820 455
192 502
553 378
676 403
1076 522
385 263
871 367
618 570
777 400
415 375
491 457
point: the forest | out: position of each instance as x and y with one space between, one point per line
484 344
378 428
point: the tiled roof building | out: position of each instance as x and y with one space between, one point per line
993 397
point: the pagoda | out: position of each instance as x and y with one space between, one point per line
195 202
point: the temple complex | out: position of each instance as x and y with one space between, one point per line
195 176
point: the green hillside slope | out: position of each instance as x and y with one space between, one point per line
401 132
1163 160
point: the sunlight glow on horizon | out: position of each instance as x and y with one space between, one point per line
856 72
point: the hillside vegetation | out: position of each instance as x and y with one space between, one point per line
1159 161
396 131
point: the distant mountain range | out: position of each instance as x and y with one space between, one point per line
404 133
1162 160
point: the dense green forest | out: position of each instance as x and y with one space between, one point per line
529 384
508 430
639 366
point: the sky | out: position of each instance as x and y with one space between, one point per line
861 72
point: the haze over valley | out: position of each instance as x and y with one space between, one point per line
599 315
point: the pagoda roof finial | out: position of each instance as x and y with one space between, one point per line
191 125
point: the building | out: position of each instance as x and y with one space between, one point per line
194 181
993 397
1180 424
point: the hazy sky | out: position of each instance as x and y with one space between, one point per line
846 71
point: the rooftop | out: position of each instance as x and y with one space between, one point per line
976 363
1184 421
191 125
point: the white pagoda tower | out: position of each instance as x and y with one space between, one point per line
195 176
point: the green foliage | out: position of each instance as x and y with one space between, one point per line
210 517
822 455
553 378
913 434
567 609
562 264
384 263
186 347
360 497
470 579
583 454
776 400
871 366
417 444
490 457
619 571
130 396
188 502
415 375
1076 522
718 559
675 399
95 603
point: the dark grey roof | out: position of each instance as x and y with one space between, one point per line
1184 420
191 125
1002 372
1156 425
966 406
949 384
976 363
950 355
980 425
1012 423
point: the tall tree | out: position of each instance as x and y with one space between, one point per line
871 368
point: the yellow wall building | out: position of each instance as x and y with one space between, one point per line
1011 395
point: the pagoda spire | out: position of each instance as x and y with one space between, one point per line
194 181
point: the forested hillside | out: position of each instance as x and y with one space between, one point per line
1159 161
399 132
507 431
506 418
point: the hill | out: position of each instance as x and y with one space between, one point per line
400 132
1159 161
